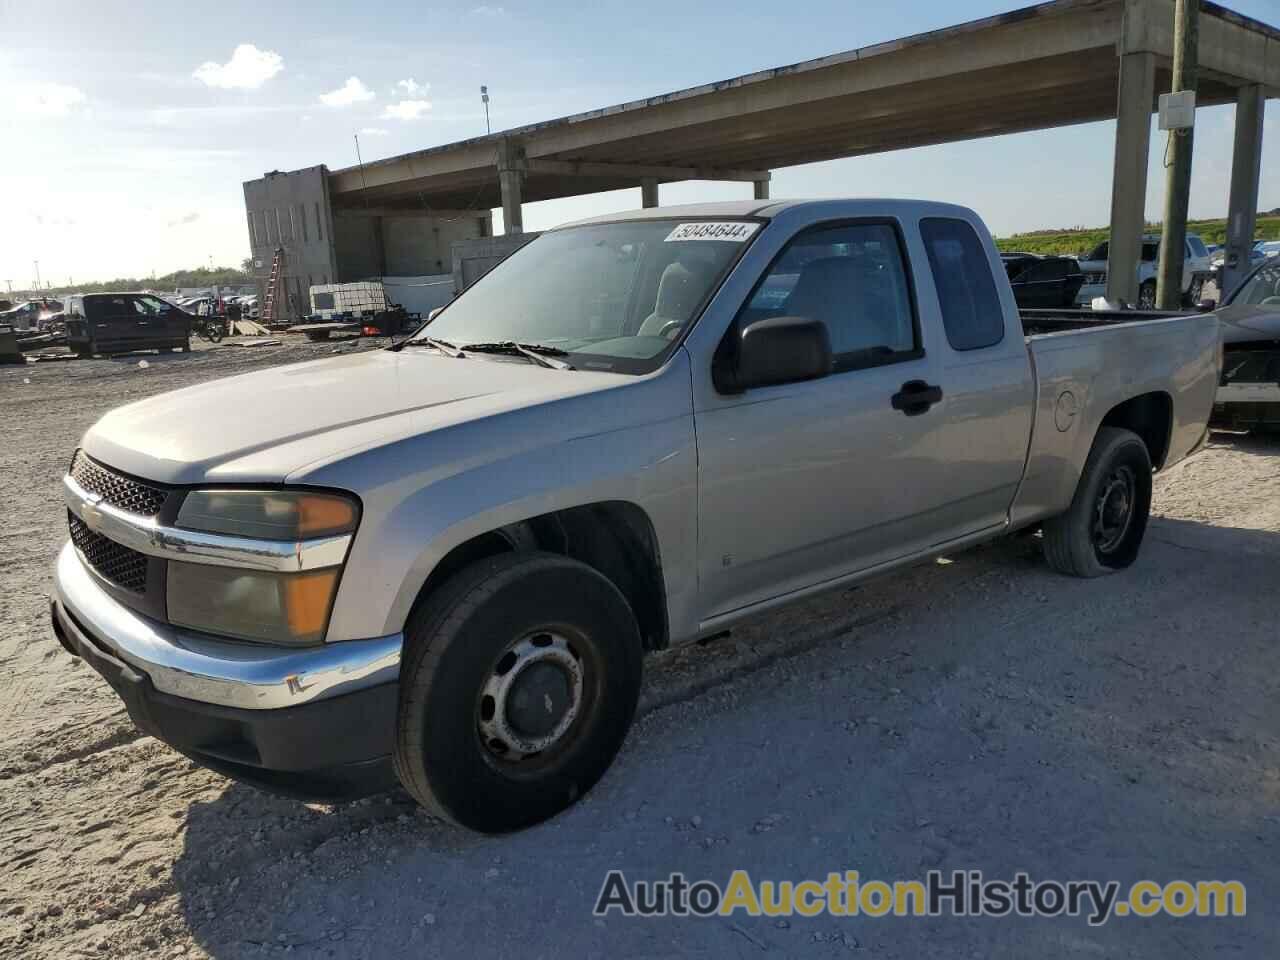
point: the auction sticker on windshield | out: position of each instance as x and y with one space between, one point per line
735 231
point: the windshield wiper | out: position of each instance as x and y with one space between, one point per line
540 353
444 346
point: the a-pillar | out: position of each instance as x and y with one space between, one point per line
511 171
1246 169
1129 178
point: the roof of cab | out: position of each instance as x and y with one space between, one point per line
767 209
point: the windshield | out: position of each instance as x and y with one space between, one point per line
1262 288
614 296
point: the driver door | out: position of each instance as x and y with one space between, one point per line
804 482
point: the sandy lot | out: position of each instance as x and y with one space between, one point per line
981 713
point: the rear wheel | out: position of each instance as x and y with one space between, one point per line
519 683
1102 530
1147 296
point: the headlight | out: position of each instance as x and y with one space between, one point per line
268 515
251 604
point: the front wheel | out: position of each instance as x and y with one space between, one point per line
1102 530
519 682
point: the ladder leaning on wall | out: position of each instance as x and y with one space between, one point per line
273 288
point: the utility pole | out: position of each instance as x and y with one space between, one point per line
484 97
37 263
1177 193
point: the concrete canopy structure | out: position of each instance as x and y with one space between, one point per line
1058 63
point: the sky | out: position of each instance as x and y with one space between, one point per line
127 129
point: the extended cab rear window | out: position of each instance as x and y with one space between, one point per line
971 311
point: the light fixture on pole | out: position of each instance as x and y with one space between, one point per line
484 98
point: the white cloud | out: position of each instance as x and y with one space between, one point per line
185 219
373 132
487 10
410 87
248 69
406 110
353 91
46 99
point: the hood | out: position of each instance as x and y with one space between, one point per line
1248 323
261 427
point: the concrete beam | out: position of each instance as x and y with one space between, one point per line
1246 170
648 192
660 172
1129 180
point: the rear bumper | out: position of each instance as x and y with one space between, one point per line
247 711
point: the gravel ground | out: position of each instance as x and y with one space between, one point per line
980 713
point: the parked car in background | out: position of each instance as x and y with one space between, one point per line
1257 253
444 562
1249 392
28 316
1045 282
1196 269
106 323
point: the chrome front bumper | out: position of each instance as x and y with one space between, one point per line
227 673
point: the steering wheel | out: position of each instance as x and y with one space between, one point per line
670 328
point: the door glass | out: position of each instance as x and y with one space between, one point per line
971 311
852 278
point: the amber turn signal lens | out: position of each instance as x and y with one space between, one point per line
306 601
320 514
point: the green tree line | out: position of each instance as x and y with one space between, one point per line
1075 241
197 277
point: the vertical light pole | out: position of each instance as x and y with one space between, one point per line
484 98
37 263
1177 193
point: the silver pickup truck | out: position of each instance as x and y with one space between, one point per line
444 562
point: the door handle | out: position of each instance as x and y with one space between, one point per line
916 397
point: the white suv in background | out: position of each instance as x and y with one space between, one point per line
1196 269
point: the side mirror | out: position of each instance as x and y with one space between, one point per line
773 351
432 315
1207 306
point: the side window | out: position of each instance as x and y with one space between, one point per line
971 311
853 278
1262 289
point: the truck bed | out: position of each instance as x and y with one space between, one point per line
1038 321
1085 367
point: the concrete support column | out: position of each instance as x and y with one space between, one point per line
761 189
1129 178
648 192
511 170
1246 169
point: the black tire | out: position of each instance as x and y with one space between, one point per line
456 643
1194 293
318 335
1090 539
1147 296
214 331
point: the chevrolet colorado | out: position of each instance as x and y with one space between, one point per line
443 562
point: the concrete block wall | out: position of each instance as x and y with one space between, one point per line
292 210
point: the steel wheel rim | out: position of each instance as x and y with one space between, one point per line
540 669
1114 509
1147 298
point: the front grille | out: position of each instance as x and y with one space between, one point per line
120 491
124 567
